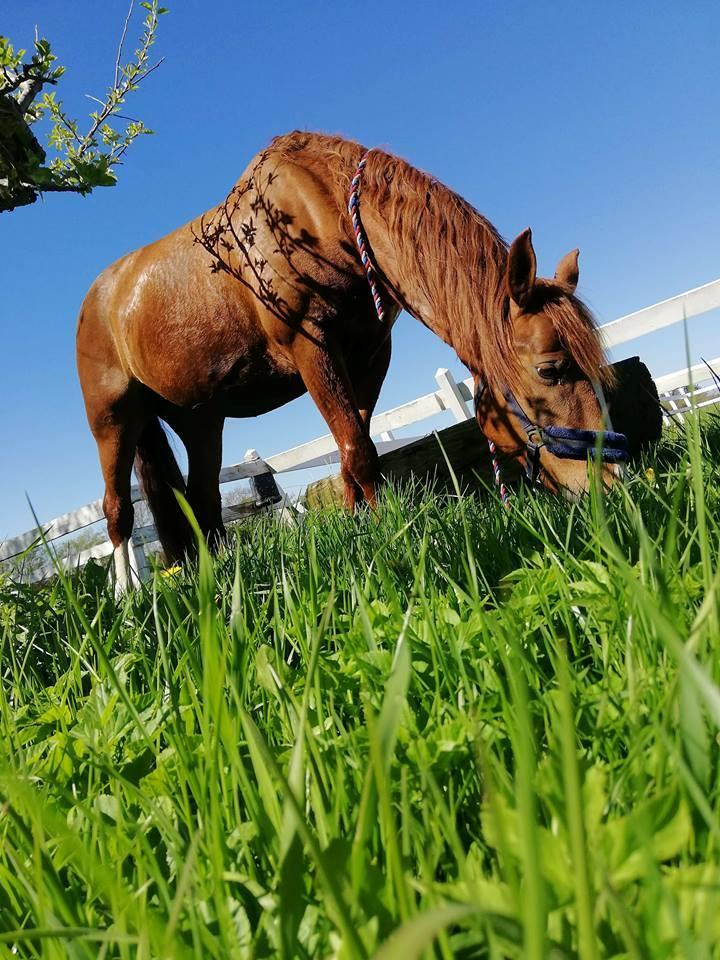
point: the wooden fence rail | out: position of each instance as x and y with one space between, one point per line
678 391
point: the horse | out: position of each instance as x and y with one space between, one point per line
265 297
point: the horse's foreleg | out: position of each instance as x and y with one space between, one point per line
367 379
325 375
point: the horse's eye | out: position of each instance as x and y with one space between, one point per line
552 371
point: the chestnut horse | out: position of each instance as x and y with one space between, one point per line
265 297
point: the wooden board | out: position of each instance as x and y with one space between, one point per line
634 405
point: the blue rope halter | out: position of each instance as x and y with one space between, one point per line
569 443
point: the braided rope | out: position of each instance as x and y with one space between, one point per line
361 241
504 492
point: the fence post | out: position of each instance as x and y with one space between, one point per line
670 397
268 492
263 485
138 560
451 395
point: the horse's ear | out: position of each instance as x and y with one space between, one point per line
521 269
568 271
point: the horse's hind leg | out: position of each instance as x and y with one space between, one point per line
116 427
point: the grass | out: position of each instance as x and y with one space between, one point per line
441 731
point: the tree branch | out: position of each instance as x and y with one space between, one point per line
27 90
82 161
122 41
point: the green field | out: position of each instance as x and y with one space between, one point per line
439 731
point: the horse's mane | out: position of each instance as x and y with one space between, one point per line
450 257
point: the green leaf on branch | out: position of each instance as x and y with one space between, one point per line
94 173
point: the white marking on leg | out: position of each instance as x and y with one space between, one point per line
121 556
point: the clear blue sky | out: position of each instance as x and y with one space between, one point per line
596 124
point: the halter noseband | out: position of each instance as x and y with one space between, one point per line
568 443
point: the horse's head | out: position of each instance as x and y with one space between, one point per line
544 405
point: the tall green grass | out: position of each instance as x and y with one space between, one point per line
437 731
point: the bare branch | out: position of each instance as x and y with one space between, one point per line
151 69
108 111
122 41
120 116
22 194
49 187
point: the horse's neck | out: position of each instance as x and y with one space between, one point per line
455 307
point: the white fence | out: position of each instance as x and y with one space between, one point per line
675 392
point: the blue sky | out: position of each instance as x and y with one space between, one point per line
596 124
